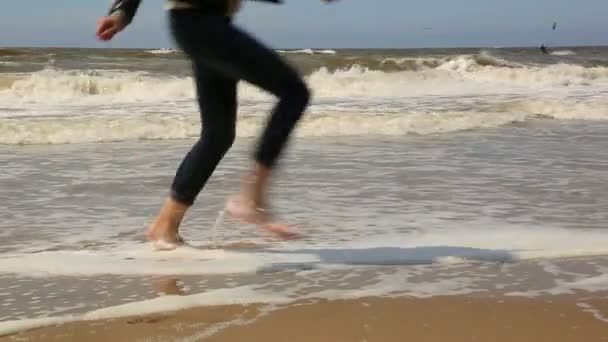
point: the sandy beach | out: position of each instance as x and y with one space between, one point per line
577 318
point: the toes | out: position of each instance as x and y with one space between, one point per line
281 230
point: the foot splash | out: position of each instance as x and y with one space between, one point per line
165 244
245 213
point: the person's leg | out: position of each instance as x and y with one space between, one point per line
217 101
235 53
268 71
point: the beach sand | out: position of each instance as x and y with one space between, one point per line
575 318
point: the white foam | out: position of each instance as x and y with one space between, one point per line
142 260
401 282
563 53
596 283
309 52
588 109
51 86
151 127
481 241
386 284
164 51
462 75
326 52
464 245
595 312
234 296
12 327
564 287
56 106
97 128
555 75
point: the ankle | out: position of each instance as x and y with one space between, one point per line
172 212
255 183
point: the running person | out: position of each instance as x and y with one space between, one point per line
221 56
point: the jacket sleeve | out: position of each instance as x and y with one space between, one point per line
127 7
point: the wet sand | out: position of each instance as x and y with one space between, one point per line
577 318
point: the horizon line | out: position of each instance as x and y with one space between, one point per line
311 48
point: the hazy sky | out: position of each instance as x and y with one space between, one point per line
348 23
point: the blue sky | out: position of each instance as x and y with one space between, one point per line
348 23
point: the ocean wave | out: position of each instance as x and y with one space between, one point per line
563 53
310 64
7 81
8 63
162 51
309 52
11 52
463 75
108 128
53 86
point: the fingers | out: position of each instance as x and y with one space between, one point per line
106 28
107 33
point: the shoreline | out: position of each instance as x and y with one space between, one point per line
581 317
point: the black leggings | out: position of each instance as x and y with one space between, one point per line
222 55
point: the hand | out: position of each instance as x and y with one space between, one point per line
108 27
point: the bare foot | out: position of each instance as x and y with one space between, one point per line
247 212
250 205
164 230
163 236
281 230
